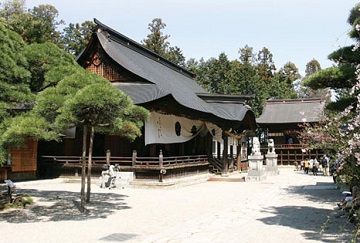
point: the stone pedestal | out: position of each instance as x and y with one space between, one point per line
124 179
271 167
256 170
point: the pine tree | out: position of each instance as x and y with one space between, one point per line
14 78
265 64
341 77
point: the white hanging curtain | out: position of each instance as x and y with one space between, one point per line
166 129
215 131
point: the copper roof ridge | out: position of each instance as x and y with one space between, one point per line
297 100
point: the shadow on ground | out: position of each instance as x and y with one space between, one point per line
323 192
325 225
118 237
64 205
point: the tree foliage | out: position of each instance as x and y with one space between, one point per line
248 76
312 67
84 100
67 95
246 55
76 36
339 133
158 42
100 106
104 107
37 25
289 73
45 61
341 77
14 78
41 24
265 64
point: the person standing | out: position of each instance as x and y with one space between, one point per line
306 166
315 166
311 165
325 165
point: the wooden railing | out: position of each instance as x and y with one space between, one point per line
134 162
288 146
292 146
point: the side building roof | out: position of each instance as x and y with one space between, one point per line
164 77
292 111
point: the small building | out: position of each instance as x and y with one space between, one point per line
282 120
188 128
22 162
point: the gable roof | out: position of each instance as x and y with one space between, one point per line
164 77
292 111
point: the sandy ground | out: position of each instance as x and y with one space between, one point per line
290 207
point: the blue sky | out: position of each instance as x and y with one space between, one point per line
293 30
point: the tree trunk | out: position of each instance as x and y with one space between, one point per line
89 164
83 170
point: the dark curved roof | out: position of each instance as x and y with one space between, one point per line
141 92
292 111
166 78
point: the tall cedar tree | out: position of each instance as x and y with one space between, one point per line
158 42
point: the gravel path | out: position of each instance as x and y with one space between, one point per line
290 207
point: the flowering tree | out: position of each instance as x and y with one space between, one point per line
339 133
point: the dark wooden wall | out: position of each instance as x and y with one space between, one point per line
24 159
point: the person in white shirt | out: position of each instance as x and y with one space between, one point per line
315 166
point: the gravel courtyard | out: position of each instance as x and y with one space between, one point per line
290 207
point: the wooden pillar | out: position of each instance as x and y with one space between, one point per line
225 155
238 156
133 160
218 148
152 150
182 149
108 156
288 157
302 155
161 165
